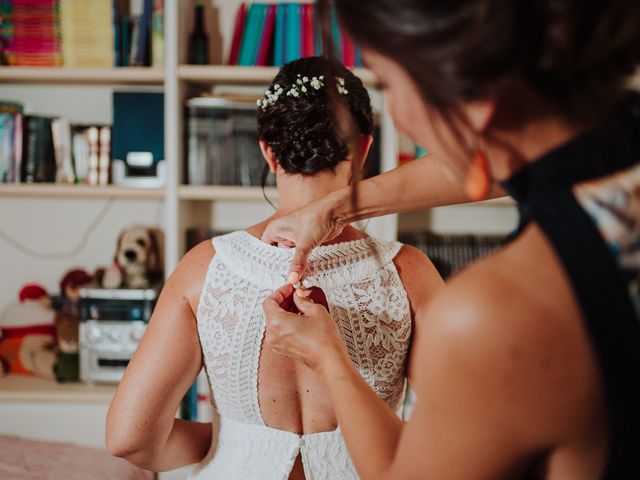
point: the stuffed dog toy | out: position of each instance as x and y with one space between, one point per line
139 256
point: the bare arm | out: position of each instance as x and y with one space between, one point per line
141 423
419 184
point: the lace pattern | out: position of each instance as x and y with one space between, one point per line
365 296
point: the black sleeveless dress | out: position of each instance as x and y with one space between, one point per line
585 196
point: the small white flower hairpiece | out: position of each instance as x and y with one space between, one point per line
302 86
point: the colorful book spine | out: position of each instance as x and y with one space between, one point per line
241 17
348 50
36 33
250 35
157 34
335 33
308 31
266 39
279 43
293 34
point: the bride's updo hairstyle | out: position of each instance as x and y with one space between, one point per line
296 121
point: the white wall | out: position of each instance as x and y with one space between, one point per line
53 228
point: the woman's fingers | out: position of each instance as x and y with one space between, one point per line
281 294
306 305
299 262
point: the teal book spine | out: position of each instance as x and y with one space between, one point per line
251 36
261 26
293 33
279 40
335 34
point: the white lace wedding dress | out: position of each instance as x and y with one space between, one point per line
367 300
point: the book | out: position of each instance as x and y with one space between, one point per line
250 38
348 50
35 39
61 133
7 134
293 34
125 31
157 34
266 39
279 43
308 30
38 157
87 33
335 33
142 56
237 34
10 139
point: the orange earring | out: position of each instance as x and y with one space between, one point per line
478 180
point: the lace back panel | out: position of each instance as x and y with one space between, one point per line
365 296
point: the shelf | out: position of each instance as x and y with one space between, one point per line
37 190
23 388
221 193
62 75
247 75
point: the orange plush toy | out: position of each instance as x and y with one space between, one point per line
27 343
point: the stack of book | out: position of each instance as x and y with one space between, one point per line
91 33
222 144
34 32
274 34
87 33
450 253
37 148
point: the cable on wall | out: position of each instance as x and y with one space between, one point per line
51 256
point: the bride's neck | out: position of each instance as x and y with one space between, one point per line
296 191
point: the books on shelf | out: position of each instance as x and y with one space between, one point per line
277 33
222 143
87 33
38 148
91 33
33 30
450 253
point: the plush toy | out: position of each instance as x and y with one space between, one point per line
28 334
138 257
67 366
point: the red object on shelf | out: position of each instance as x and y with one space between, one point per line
308 30
267 36
237 34
348 50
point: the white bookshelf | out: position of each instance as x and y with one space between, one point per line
71 76
184 205
55 190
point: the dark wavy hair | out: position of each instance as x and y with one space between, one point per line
303 132
573 55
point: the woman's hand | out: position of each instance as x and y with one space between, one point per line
301 329
304 229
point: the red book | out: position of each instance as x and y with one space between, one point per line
348 50
308 31
237 34
267 36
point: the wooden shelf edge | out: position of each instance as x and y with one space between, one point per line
223 192
247 75
68 75
22 388
36 190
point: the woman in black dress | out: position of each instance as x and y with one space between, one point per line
528 362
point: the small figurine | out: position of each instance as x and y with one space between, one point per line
27 345
67 366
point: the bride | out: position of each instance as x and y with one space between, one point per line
273 415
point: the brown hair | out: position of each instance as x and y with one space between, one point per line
574 55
